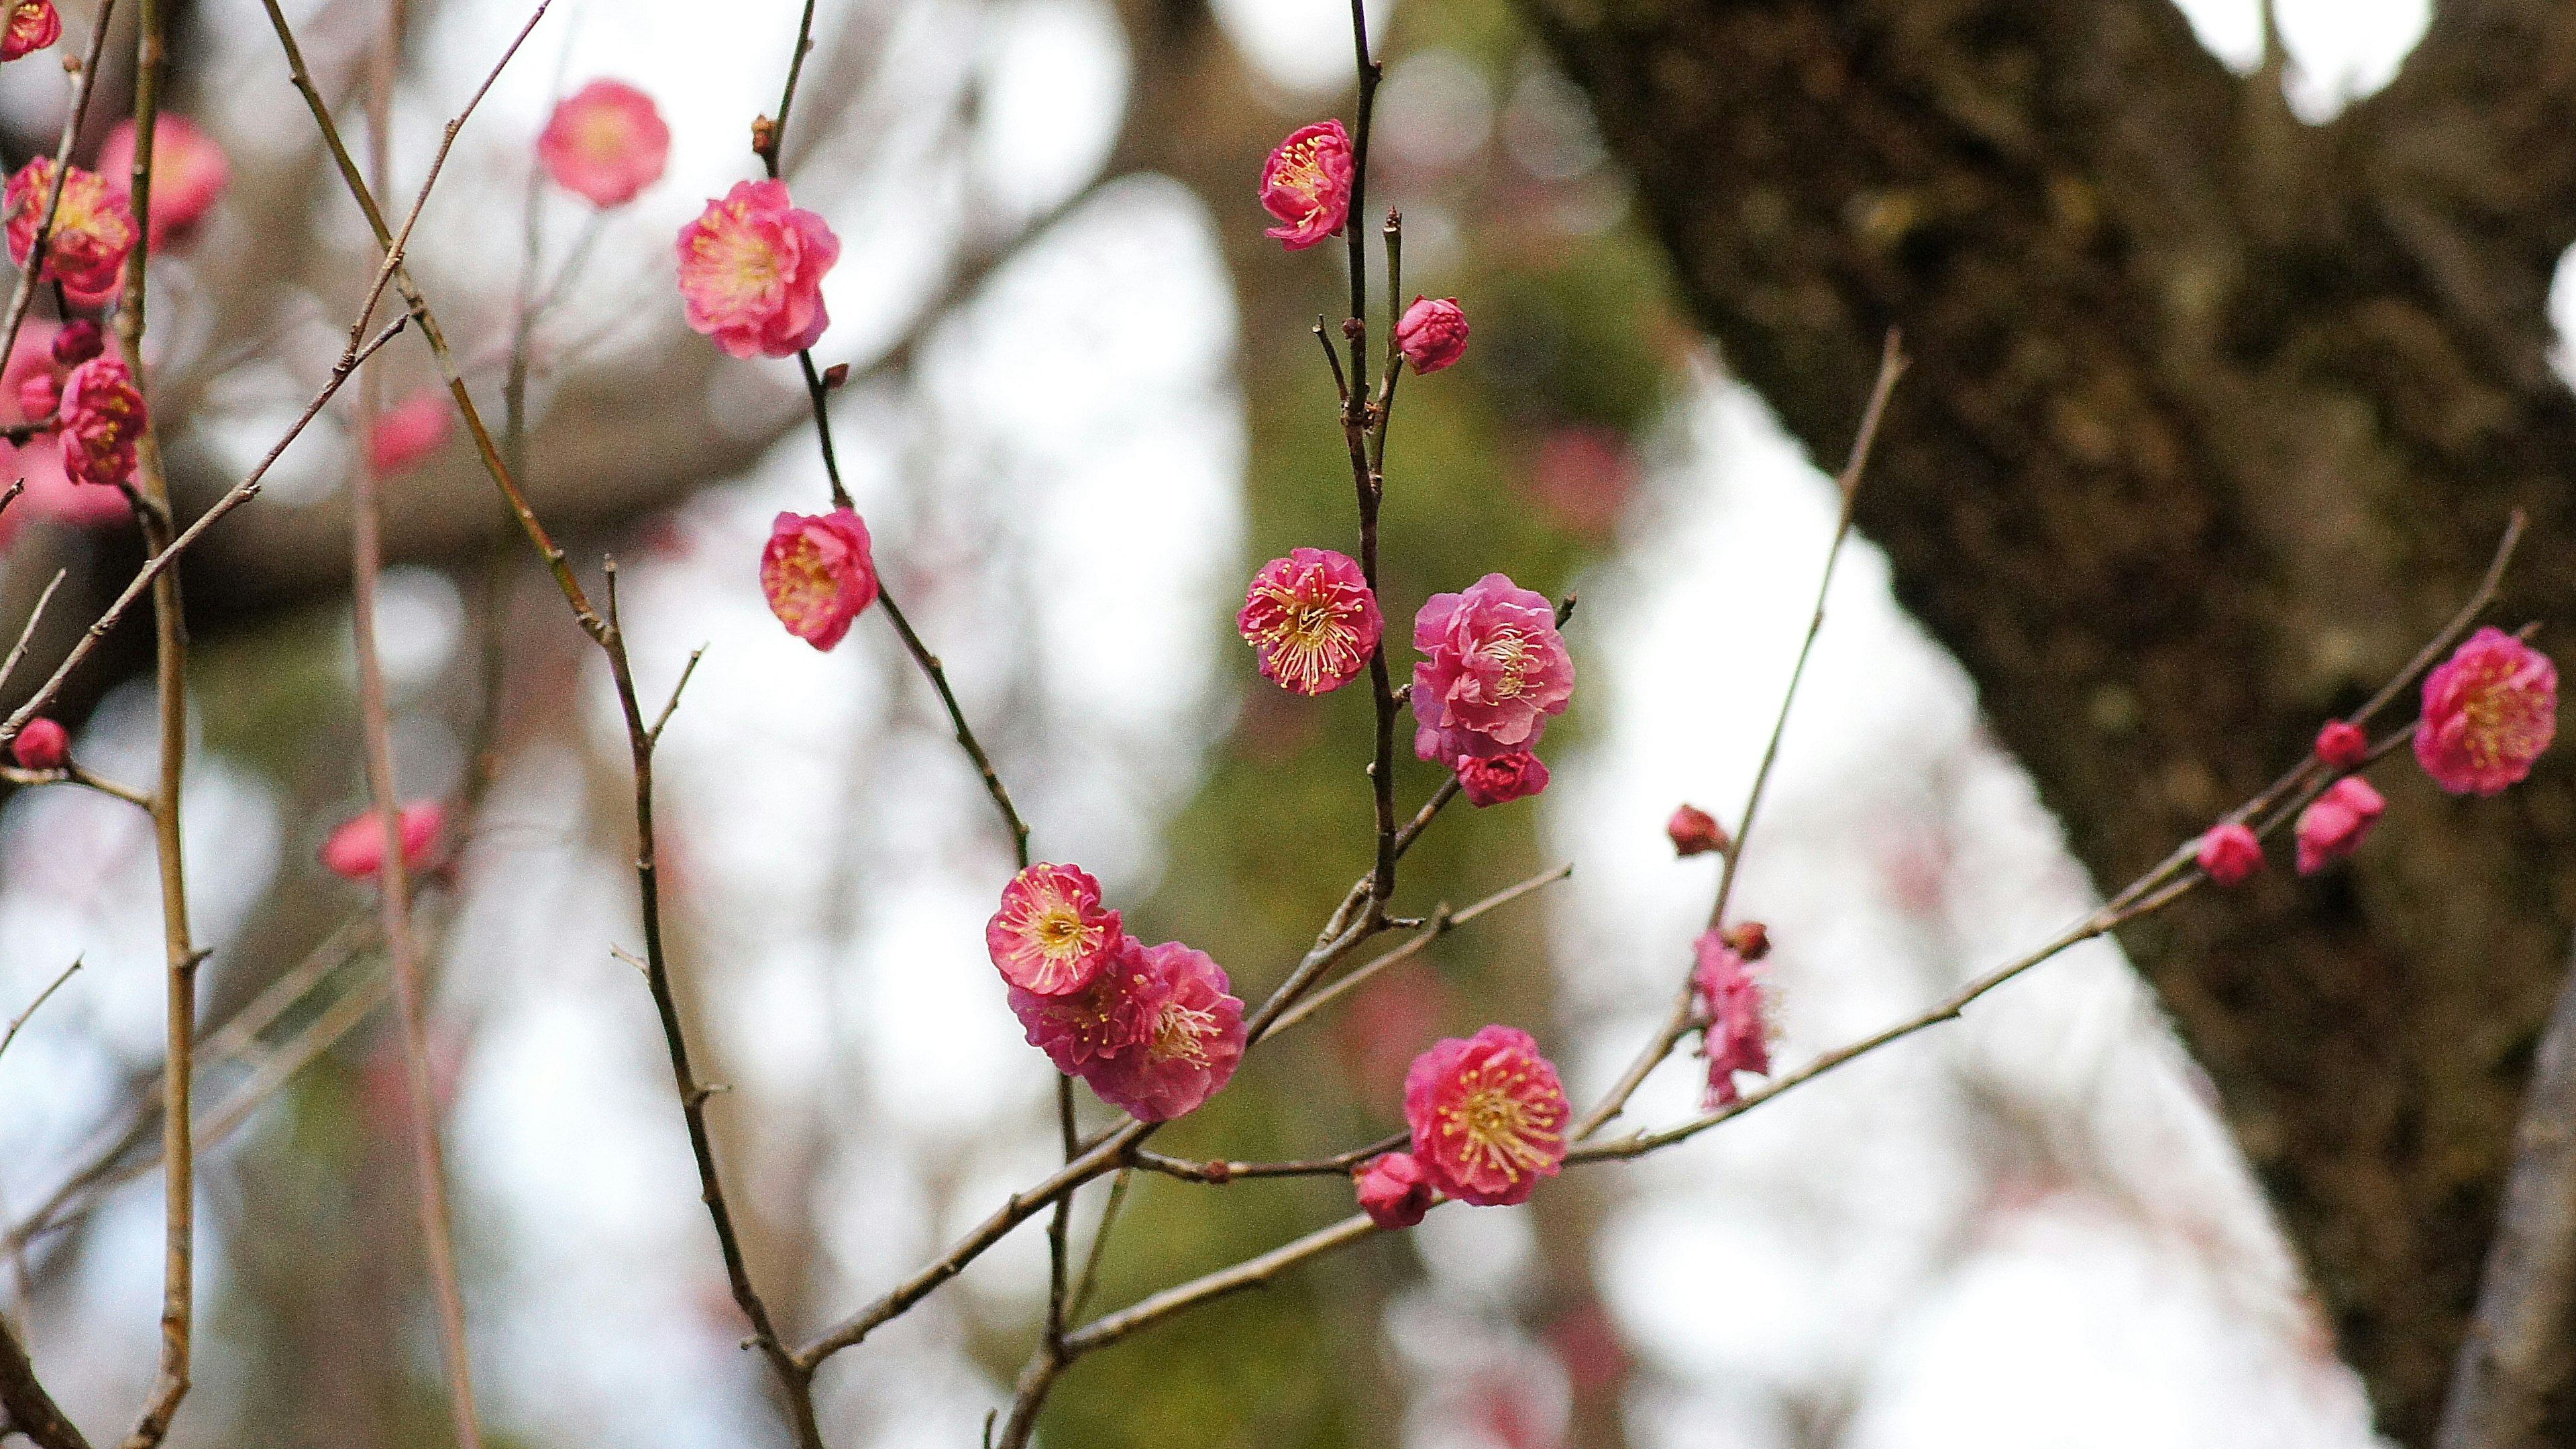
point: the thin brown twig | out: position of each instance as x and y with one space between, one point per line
1442 921
20 1020
27 635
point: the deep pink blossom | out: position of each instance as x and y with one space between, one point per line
1494 669
33 25
2343 744
2334 823
92 230
1738 1035
751 271
1311 620
1082 1028
605 142
189 174
356 851
818 574
1694 831
1306 183
1052 935
1488 1116
411 432
1502 777
42 744
2489 710
1432 333
102 416
2230 853
50 492
1393 1190
1193 1034
79 340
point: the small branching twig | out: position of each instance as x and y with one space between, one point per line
20 1020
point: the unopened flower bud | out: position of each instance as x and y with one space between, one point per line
37 396
2334 823
1393 1190
1695 832
2342 744
2230 853
78 342
1751 940
1432 333
42 745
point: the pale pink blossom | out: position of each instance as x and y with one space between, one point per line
1488 1116
189 174
102 416
411 432
1432 333
1501 778
1393 1190
1738 1033
356 851
1193 1034
92 232
1694 831
42 744
2334 823
605 142
1494 669
2343 744
1052 935
1311 620
751 271
2230 853
2489 710
818 574
37 396
33 25
1306 183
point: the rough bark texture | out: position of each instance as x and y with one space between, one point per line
2214 415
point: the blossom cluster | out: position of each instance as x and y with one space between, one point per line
1154 1030
1488 1117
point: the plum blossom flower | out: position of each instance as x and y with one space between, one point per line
1193 1033
818 574
39 458
2230 853
1306 183
2343 744
2334 823
102 416
79 340
92 230
1494 669
356 851
751 271
1488 1116
1052 935
1080 1029
1393 1190
33 25
409 433
1432 333
1694 831
2489 710
43 744
605 143
1738 1036
189 174
1501 778
1311 620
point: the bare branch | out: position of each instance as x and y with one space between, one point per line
20 1020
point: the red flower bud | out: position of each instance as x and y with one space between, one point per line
2342 745
42 745
1751 940
2230 853
1695 832
78 342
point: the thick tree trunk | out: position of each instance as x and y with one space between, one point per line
2214 416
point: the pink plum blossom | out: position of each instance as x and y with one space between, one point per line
2230 853
189 173
1052 935
1738 1035
1694 831
1393 1190
50 492
42 744
92 230
102 416
1311 620
1432 333
356 851
1494 669
605 143
1193 1033
79 340
1501 778
751 271
818 574
1488 1116
1306 183
1082 1028
2343 744
2334 823
33 25
2489 710
410 433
